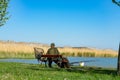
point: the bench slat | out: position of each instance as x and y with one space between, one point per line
49 55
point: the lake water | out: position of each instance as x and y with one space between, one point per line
89 61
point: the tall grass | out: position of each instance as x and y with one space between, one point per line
25 50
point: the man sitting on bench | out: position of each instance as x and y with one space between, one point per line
53 51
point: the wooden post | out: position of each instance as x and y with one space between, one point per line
118 65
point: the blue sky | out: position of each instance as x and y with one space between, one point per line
89 23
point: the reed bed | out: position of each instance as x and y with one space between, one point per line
25 50
86 52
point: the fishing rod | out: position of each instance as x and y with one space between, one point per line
82 61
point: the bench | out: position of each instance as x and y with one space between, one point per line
42 57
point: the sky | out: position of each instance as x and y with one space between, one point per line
76 23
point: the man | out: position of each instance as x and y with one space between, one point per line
54 51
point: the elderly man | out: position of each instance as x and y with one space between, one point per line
54 51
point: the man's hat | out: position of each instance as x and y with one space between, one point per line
52 44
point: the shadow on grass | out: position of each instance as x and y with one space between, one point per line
82 70
43 68
95 70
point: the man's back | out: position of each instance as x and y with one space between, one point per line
53 51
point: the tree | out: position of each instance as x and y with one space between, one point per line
118 67
3 11
116 2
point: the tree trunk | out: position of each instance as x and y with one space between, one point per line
118 67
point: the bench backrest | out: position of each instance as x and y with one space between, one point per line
38 52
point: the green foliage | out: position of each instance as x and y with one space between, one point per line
3 11
79 54
107 55
116 2
4 54
73 54
86 54
16 55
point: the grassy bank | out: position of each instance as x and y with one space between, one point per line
19 71
25 50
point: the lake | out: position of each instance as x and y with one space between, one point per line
89 61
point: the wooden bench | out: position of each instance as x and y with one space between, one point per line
51 56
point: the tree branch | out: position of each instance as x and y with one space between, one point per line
116 2
3 11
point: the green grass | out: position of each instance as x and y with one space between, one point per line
20 71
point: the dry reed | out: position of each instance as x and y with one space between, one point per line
25 50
